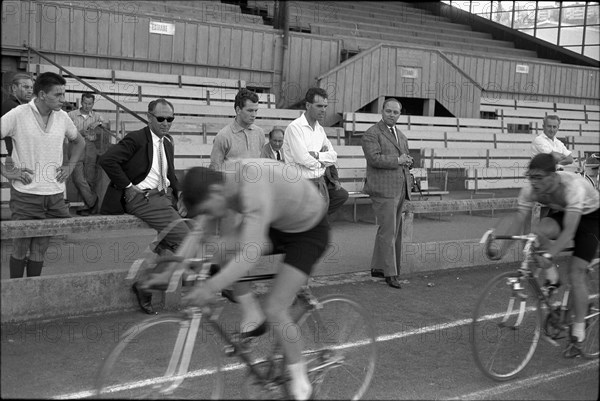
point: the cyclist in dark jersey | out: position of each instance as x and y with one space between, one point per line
573 216
264 206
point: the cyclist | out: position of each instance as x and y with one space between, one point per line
573 215
257 200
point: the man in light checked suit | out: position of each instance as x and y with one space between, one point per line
387 182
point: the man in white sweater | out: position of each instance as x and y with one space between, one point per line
38 130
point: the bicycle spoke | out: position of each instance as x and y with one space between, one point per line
339 348
148 364
591 345
506 327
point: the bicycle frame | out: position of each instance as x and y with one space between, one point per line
233 347
531 275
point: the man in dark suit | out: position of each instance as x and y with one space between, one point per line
387 182
143 181
272 149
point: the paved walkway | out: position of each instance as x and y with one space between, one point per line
350 250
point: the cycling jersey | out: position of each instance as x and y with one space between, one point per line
577 196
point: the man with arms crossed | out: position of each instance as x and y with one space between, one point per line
288 212
574 205
305 142
549 143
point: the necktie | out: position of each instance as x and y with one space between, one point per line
278 155
161 180
394 133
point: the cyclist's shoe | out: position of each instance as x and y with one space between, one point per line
574 348
228 293
257 332
550 288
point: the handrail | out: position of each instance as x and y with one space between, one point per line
460 70
133 113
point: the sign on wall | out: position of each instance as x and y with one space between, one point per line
522 69
407 72
162 28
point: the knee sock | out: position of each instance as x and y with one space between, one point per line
252 313
300 387
17 267
578 330
34 268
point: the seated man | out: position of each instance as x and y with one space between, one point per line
573 216
257 202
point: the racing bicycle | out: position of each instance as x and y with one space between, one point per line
514 311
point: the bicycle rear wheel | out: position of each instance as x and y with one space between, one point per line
339 348
591 344
505 329
145 363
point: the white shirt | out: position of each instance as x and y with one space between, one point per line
153 178
543 144
299 139
38 146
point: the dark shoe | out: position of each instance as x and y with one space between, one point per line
377 273
91 210
392 281
259 331
144 299
228 293
574 348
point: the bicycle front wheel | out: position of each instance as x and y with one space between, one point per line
505 329
147 363
591 344
339 348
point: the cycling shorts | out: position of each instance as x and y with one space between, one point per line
303 249
586 236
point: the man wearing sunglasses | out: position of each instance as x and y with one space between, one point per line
144 184
573 216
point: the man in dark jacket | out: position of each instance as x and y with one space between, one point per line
19 90
143 181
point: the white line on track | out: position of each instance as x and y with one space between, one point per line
530 381
392 337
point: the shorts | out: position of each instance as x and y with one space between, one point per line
302 250
586 236
35 207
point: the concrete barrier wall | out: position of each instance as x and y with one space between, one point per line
70 295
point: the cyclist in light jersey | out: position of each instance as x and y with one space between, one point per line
573 215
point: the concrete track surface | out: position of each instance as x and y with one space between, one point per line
423 346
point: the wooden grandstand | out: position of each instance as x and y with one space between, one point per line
360 52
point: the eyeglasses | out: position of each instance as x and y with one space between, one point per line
161 119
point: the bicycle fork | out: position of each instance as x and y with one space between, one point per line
517 296
182 352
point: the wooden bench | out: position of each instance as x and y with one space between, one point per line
356 124
144 86
352 169
538 110
441 158
145 92
203 130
